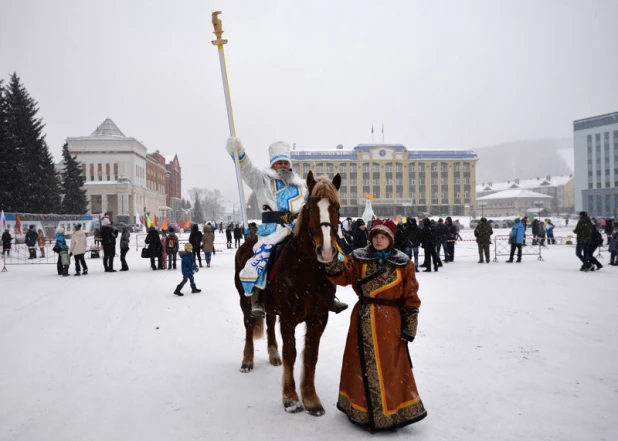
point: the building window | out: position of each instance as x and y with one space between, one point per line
343 168
343 182
456 181
456 167
434 168
389 168
352 182
366 168
330 168
412 168
376 168
376 182
466 167
389 182
444 181
365 182
352 195
399 181
398 168
319 169
444 168
434 181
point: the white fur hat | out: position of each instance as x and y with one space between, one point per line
279 151
105 221
60 230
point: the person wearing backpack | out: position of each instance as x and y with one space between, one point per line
171 246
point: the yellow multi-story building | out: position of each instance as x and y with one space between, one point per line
403 182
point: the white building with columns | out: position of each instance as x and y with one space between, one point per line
119 176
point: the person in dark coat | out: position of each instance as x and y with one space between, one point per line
6 243
428 239
483 232
108 239
400 238
31 239
451 238
441 238
583 231
237 235
124 248
595 242
171 246
154 247
195 239
360 236
413 239
228 234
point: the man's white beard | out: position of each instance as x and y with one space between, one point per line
285 174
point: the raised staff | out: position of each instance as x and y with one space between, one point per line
219 42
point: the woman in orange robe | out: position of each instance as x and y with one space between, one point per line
377 389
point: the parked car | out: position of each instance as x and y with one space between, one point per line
474 223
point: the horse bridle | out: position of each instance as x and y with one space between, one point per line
314 231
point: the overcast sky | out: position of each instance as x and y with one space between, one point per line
438 74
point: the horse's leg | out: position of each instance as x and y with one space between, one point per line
273 348
311 401
291 403
247 360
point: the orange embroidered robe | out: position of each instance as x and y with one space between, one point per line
377 389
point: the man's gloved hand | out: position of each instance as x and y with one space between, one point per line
234 146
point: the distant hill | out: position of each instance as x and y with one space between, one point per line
525 160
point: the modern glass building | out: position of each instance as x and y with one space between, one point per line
403 182
595 142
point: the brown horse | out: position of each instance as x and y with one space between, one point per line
300 293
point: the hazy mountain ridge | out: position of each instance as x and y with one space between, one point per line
524 160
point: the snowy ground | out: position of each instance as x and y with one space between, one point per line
504 352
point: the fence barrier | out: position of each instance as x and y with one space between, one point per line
502 247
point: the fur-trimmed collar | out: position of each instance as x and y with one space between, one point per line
296 180
368 254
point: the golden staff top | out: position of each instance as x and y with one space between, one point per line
218 25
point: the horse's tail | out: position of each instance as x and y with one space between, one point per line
258 329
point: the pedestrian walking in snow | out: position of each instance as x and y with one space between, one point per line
195 239
451 238
78 250
6 243
483 232
228 234
125 240
208 243
237 235
188 268
428 239
31 240
154 248
376 374
63 253
171 246
595 242
583 231
41 242
613 248
109 233
516 239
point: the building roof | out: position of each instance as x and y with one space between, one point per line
595 121
515 194
547 181
414 155
106 129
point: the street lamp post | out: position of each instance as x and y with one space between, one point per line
482 205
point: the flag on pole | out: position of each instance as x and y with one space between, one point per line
138 221
188 224
383 128
372 129
156 221
164 224
148 221
3 221
17 223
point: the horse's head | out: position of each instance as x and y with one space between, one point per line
321 213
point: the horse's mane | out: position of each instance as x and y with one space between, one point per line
323 188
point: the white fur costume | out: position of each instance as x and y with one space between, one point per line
279 196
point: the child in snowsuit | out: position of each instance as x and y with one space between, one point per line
188 268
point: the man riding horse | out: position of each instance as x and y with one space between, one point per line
281 194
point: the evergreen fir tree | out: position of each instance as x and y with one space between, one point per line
12 182
198 214
33 185
75 200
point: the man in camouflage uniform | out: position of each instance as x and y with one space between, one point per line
483 232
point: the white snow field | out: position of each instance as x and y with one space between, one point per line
523 351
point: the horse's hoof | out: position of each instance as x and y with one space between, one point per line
246 368
316 412
293 406
275 360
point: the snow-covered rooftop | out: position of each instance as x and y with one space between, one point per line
547 181
516 193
